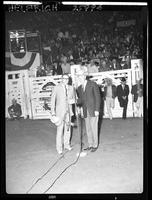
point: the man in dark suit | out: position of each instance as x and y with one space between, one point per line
89 99
122 93
57 70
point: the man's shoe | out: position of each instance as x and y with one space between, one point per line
69 148
88 149
93 149
60 152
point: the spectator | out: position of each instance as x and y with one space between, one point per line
66 68
109 96
83 67
70 56
60 35
94 42
55 50
108 64
14 110
137 92
114 65
49 70
41 71
122 93
92 67
57 70
103 66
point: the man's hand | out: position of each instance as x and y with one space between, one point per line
46 107
78 111
124 97
96 113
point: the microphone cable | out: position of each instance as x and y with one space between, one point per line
40 178
46 172
80 150
73 163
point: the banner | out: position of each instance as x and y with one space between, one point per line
22 60
34 65
28 60
126 23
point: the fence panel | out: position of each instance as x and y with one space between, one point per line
41 89
32 92
116 79
40 95
15 89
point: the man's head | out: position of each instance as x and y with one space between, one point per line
42 66
65 79
108 81
141 81
82 76
123 81
96 63
14 101
114 61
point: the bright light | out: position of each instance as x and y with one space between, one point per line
22 3
105 3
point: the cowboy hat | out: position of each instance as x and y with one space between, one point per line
55 120
123 79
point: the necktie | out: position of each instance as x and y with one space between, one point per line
84 85
66 93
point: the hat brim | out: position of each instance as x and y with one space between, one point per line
123 80
55 120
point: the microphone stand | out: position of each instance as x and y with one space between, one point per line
79 119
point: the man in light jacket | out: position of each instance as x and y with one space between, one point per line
61 106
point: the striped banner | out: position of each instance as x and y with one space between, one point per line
126 23
20 61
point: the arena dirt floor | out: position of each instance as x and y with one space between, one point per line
116 166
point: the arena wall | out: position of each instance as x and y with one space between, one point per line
32 92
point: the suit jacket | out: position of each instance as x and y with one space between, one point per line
114 91
121 92
58 70
60 101
90 98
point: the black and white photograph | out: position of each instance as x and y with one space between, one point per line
75 98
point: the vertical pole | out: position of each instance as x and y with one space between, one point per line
6 94
9 42
25 42
41 59
132 95
30 97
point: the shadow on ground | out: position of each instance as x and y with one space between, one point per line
116 167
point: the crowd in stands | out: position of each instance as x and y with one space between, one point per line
99 50
101 45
